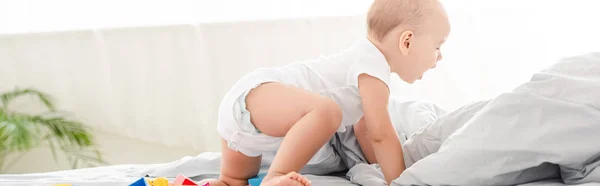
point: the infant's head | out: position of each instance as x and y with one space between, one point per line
409 33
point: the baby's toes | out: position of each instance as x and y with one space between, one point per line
301 179
293 175
305 180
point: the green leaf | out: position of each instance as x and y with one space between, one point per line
65 129
20 132
3 136
7 97
23 135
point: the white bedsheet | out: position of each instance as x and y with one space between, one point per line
100 176
202 166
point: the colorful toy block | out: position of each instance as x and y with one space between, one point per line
142 182
255 181
182 180
160 182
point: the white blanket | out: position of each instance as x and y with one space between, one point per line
547 128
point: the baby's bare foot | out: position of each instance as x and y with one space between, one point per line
290 179
301 179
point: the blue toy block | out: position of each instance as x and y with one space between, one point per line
141 182
255 181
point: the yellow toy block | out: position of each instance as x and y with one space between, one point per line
160 182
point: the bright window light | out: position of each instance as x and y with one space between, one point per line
18 16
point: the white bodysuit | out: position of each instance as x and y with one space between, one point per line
334 76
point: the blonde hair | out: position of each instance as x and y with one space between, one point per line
386 15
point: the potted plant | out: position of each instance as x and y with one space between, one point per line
21 132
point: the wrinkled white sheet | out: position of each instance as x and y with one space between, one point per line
426 140
205 165
101 176
547 128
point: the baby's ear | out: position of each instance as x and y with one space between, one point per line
404 42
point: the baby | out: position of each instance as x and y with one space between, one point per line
295 109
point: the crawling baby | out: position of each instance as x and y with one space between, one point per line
294 110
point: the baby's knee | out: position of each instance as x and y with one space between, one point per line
330 111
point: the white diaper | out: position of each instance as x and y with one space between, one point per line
235 126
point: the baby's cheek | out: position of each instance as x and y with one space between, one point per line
428 61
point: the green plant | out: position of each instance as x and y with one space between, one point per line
21 132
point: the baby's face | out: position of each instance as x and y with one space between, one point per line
424 48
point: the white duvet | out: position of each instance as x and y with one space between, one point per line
547 128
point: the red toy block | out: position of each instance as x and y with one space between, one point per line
182 180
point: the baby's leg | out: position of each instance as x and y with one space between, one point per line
360 130
237 168
306 121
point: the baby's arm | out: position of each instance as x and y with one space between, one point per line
382 135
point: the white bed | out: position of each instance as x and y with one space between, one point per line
122 175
